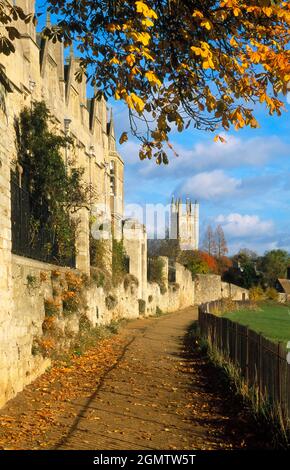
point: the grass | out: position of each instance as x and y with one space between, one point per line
269 318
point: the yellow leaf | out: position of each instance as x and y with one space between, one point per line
142 8
233 42
153 79
207 24
114 61
130 59
208 64
147 22
137 102
197 14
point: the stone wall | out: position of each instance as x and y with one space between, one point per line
26 337
209 287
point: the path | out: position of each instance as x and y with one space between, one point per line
154 394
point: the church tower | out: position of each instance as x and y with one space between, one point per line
184 224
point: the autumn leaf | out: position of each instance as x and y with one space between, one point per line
123 138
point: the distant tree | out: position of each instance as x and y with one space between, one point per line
210 261
198 262
249 254
209 242
273 265
221 244
193 262
224 264
243 271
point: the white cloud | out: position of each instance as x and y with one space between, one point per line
237 152
245 226
210 185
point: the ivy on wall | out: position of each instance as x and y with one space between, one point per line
119 257
55 188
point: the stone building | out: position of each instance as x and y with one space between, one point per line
39 71
184 225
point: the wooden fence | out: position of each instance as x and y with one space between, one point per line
263 364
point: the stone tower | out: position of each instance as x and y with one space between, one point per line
184 223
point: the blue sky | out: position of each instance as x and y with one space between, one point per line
244 184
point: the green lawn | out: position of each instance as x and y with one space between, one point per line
270 319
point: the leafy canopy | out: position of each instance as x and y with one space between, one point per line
175 63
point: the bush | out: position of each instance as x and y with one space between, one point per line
271 294
256 294
193 261
101 279
51 308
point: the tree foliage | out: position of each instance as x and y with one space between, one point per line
180 63
274 265
198 262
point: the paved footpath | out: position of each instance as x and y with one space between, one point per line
157 394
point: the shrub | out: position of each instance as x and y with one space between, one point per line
51 308
193 261
271 293
71 302
256 294
101 279
48 324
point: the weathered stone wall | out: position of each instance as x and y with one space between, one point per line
25 334
209 287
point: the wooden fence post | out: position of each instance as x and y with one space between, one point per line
247 356
279 375
236 342
260 367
